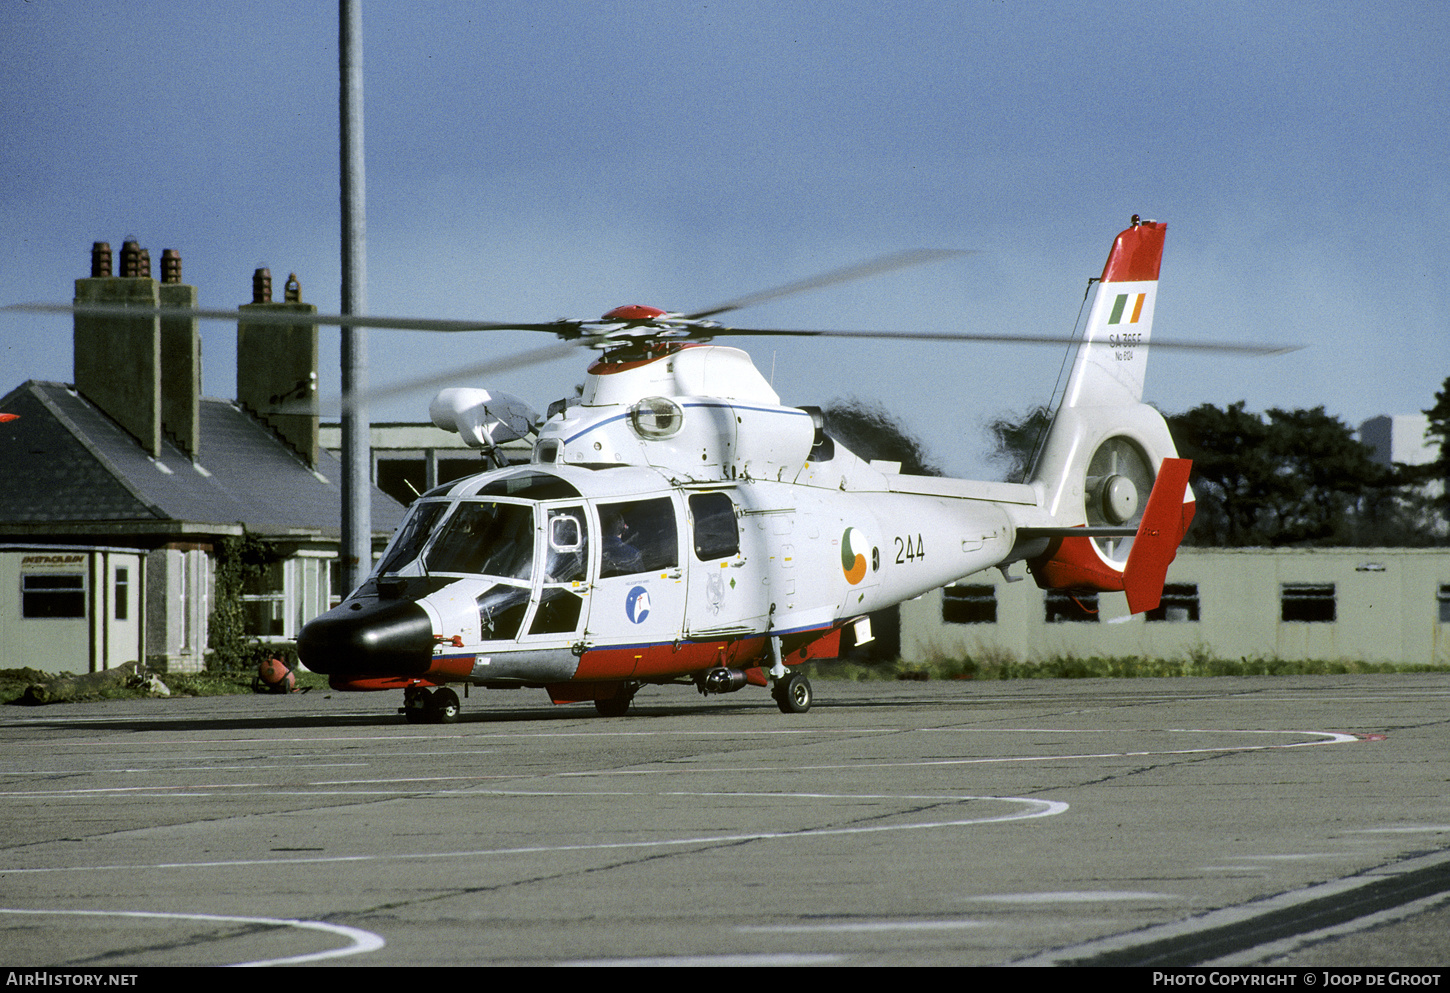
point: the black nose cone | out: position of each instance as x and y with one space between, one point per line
369 637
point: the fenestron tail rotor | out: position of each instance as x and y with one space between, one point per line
1119 479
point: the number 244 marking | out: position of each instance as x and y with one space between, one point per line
907 551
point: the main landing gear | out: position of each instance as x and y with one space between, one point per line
617 705
792 690
792 693
424 706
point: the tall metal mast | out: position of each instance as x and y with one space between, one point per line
356 441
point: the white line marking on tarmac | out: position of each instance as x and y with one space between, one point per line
711 961
1033 808
311 789
360 941
859 927
1071 896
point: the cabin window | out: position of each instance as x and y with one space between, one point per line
501 612
716 534
492 539
639 536
1179 603
53 595
1311 602
969 604
1063 607
558 612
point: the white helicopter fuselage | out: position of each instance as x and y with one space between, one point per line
741 525
678 523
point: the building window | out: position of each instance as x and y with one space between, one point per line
53 595
969 605
1179 603
123 594
1064 607
1311 602
1444 600
264 600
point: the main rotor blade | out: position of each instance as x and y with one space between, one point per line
519 360
292 318
573 330
862 270
1222 347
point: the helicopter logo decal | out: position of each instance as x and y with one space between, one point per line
636 605
854 545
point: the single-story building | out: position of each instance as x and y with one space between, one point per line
1367 604
118 490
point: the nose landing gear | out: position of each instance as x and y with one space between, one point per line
424 706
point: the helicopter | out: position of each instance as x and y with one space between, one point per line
676 524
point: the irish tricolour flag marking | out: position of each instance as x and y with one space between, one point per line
1122 304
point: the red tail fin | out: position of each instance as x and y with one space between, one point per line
1165 520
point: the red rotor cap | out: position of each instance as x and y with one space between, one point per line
633 312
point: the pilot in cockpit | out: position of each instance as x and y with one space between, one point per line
620 557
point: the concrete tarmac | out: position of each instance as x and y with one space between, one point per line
1289 820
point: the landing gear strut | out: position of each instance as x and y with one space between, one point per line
792 690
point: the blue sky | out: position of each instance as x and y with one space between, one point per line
534 160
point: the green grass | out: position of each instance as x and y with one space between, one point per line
1006 665
993 665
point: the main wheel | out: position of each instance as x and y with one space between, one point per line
444 707
615 706
793 694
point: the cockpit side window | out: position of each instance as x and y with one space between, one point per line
492 539
715 531
638 536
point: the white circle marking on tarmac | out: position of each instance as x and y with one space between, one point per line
1033 808
1320 738
360 941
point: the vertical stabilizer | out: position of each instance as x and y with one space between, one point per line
1106 448
1114 353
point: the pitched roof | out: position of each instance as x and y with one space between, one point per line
65 463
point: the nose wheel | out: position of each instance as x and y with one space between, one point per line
792 693
424 706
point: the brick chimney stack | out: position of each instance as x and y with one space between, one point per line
144 372
277 366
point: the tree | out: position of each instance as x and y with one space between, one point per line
870 432
1289 477
1439 431
1015 440
1285 477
